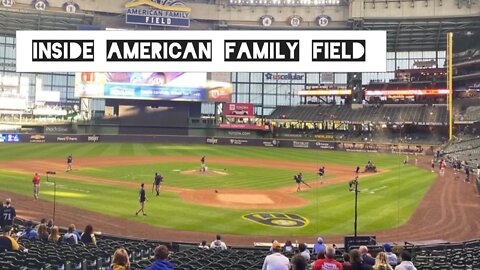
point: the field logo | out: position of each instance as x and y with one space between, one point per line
158 13
278 219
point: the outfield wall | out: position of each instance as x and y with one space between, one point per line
169 139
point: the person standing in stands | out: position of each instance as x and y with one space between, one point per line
7 214
161 259
69 162
142 198
36 185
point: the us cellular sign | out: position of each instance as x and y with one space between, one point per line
158 13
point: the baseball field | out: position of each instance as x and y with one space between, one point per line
246 190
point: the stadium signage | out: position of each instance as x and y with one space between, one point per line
272 143
202 51
277 219
158 13
325 145
37 138
288 76
238 142
301 144
93 138
212 141
67 139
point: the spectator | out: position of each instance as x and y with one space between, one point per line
88 237
298 262
381 262
54 235
391 257
356 261
42 232
346 260
288 247
204 245
49 225
406 263
366 257
218 243
29 232
71 237
319 246
276 260
7 214
9 243
161 262
302 248
329 262
120 260
42 221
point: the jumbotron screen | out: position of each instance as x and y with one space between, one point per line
175 86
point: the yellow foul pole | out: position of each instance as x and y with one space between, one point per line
449 84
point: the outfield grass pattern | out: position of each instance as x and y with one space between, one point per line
386 200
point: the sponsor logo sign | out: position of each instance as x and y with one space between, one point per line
93 138
238 142
284 76
238 110
274 219
235 51
38 138
239 133
67 139
56 129
212 141
300 144
272 143
244 126
324 145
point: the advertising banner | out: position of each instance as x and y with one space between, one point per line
244 126
238 110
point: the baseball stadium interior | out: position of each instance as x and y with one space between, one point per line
425 106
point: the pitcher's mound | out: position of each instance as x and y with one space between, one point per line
207 173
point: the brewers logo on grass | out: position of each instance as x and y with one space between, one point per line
278 219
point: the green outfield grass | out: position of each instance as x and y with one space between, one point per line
386 200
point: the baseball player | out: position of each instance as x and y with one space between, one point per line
357 171
36 185
156 183
202 164
433 165
352 183
298 180
142 198
321 172
69 162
